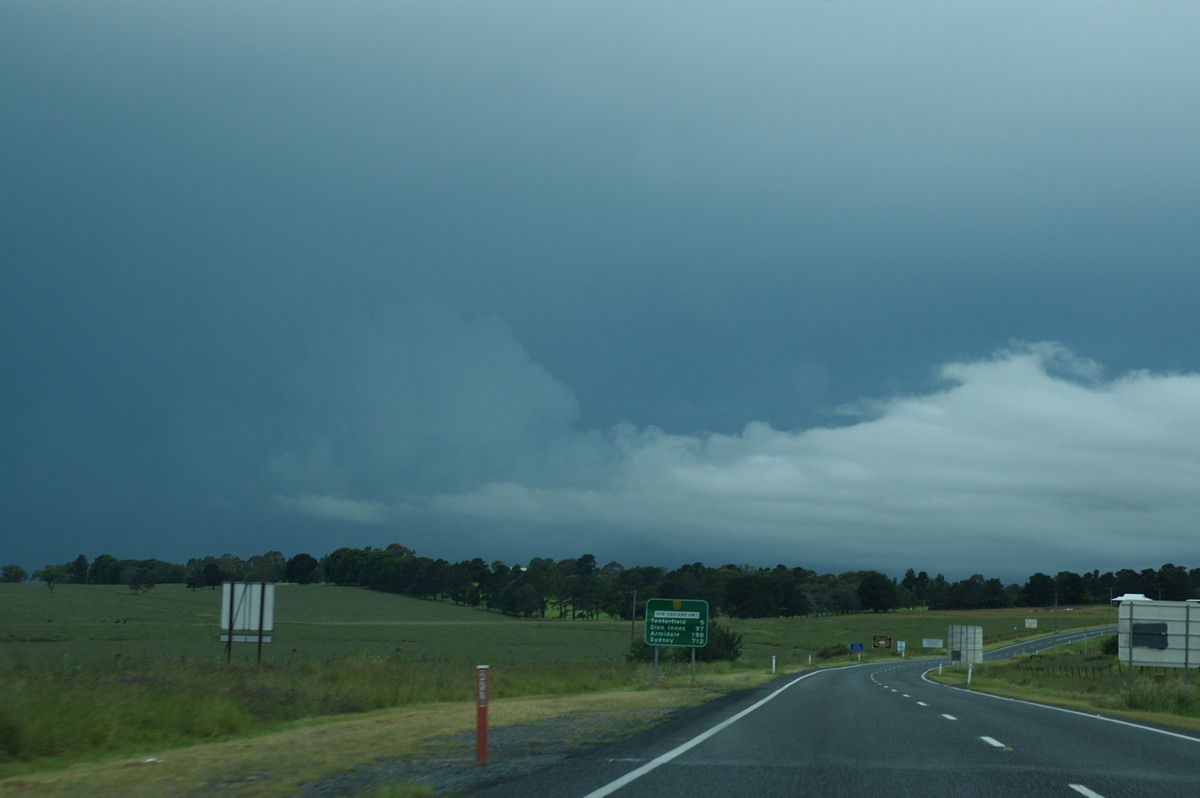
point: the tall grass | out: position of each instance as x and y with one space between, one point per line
60 713
1094 680
92 668
1171 696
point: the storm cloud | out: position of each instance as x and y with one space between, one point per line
823 283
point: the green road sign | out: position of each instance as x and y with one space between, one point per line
677 622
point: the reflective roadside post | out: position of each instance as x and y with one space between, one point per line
481 714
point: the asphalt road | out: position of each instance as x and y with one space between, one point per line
883 729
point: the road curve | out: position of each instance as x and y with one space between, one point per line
877 726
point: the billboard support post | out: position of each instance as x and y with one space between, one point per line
247 614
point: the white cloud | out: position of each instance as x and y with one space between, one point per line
336 508
1025 460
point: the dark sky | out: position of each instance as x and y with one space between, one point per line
831 284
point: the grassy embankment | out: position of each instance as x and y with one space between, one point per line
1090 681
93 676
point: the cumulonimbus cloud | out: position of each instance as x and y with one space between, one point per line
1026 456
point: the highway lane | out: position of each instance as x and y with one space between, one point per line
841 731
1039 644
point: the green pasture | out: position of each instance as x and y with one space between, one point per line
792 640
94 625
88 669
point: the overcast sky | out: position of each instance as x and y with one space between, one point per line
839 285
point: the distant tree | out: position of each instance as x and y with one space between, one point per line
12 574
301 569
51 575
105 570
79 570
1038 591
877 593
267 567
1069 587
232 566
586 565
966 594
936 592
138 577
213 575
401 551
522 600
1173 583
993 596
344 566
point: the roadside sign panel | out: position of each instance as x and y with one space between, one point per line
677 622
1164 634
856 647
882 641
247 607
966 644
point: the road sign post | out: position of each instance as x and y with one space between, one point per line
677 623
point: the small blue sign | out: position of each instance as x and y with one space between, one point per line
856 647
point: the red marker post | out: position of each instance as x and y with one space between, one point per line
481 721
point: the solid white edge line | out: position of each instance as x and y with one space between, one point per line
633 775
1091 715
1079 788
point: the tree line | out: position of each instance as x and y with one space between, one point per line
580 587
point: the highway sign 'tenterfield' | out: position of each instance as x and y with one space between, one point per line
677 622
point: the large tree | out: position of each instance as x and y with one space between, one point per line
877 593
302 569
51 575
12 573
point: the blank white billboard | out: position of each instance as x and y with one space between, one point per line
247 606
965 644
1162 634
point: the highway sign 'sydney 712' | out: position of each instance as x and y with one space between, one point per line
677 622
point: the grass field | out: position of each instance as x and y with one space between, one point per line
1085 679
106 625
94 624
97 673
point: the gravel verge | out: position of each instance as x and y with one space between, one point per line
447 764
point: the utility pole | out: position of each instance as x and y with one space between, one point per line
633 619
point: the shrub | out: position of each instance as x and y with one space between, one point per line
723 644
834 651
1108 645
